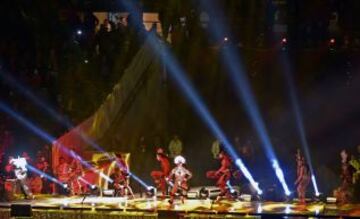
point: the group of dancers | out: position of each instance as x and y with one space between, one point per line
177 178
174 181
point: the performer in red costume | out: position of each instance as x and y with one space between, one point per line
159 176
121 179
344 192
303 177
223 174
178 179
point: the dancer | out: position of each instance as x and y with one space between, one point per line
159 176
344 192
121 179
62 172
76 171
178 179
222 175
303 177
20 171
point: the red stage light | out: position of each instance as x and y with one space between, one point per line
332 41
284 40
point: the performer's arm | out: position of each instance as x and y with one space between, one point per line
171 175
189 175
221 170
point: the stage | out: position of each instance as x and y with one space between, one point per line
111 207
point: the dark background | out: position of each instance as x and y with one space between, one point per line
39 37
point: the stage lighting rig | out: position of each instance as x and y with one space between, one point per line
94 190
204 193
151 192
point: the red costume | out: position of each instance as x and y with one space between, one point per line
303 177
223 174
160 176
121 179
344 192
178 178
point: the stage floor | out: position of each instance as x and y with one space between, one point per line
194 206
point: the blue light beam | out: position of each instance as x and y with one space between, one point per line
29 125
230 56
48 109
43 174
179 75
298 117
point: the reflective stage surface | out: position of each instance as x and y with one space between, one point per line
191 206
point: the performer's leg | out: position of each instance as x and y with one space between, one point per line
158 177
163 186
173 192
183 191
298 190
221 183
129 189
25 189
302 192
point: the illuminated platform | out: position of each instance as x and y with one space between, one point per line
104 207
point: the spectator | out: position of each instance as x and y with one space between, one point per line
175 147
215 148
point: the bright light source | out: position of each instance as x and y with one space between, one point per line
247 174
317 193
86 61
93 187
284 40
79 32
332 41
280 175
65 186
226 39
287 209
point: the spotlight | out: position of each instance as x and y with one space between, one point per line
226 39
332 44
65 186
151 191
86 61
233 193
284 43
203 193
94 190
79 32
